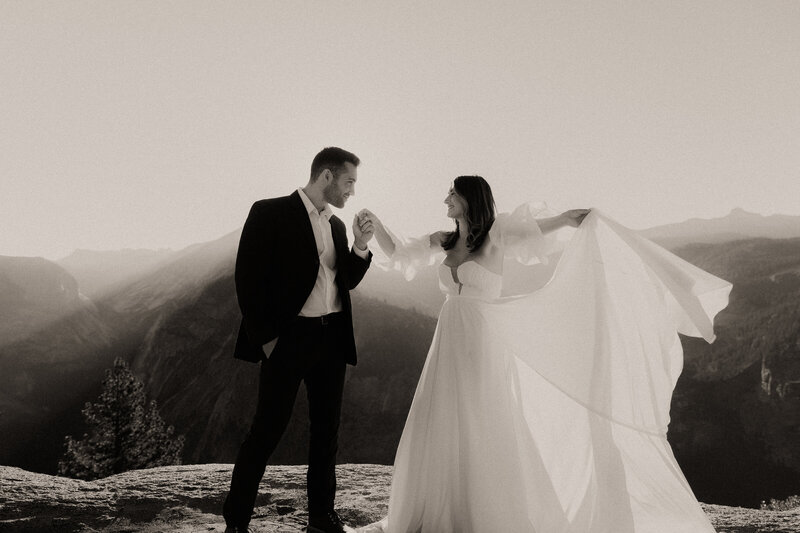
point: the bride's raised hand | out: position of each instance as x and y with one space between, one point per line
574 217
381 235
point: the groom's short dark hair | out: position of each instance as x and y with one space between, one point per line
333 159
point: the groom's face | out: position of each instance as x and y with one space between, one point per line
342 187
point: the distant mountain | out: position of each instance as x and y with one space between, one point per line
35 292
99 272
738 224
177 280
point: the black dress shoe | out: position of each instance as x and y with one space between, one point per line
325 523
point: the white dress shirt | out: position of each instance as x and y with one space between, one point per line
324 298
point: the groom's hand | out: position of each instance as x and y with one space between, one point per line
363 229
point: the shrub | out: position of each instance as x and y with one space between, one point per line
792 502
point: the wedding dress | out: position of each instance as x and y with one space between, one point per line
548 412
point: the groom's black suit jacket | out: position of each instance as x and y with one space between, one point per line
276 268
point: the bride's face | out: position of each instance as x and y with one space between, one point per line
456 205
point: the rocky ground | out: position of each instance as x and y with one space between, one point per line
188 499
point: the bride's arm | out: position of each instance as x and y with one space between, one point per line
573 218
383 238
527 238
404 255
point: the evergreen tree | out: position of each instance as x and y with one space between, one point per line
124 432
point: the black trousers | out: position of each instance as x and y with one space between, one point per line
308 351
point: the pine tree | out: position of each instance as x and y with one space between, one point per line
124 432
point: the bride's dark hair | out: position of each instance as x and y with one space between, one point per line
479 213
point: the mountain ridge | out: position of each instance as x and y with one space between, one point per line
99 271
736 225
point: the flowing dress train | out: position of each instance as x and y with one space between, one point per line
548 412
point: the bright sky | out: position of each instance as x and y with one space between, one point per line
136 124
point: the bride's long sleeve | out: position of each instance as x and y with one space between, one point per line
409 256
519 234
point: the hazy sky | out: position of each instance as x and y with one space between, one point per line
157 124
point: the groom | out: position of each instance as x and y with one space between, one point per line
294 272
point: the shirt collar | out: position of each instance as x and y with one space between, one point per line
311 208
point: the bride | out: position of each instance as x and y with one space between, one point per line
546 412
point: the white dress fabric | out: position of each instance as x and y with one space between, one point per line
548 412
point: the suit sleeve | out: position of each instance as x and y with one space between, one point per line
252 269
356 268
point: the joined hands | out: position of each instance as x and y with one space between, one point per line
363 229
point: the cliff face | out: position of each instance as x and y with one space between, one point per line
736 402
189 498
52 346
780 369
187 365
57 344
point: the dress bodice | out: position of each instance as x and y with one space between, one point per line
470 279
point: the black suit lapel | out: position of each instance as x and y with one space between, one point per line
339 239
339 234
306 243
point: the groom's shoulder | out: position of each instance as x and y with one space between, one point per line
271 204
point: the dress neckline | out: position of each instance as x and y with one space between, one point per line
456 267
